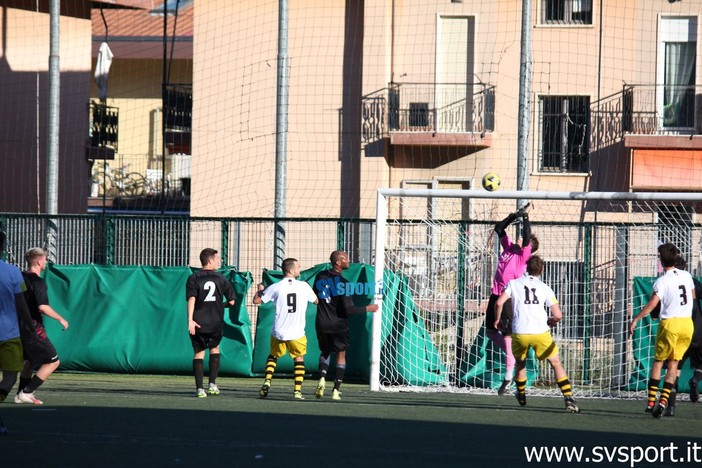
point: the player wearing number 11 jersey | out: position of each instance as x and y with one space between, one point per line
206 291
291 297
531 328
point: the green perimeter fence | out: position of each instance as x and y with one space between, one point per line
596 284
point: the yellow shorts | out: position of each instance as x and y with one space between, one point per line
11 359
673 338
543 345
296 348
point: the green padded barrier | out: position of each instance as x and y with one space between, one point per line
134 319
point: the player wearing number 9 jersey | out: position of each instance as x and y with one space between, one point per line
674 291
206 291
291 297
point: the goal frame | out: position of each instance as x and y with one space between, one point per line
519 196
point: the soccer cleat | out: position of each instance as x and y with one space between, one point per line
503 387
298 396
649 407
571 406
263 393
319 393
336 394
201 393
660 409
22 397
670 411
521 398
694 391
213 390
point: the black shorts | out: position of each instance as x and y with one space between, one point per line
333 342
203 341
505 319
40 351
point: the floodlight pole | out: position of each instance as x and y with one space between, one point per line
524 114
281 135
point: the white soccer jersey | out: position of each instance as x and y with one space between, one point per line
530 296
291 297
674 289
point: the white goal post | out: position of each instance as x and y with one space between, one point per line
435 256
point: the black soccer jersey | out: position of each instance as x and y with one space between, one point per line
334 305
209 289
36 294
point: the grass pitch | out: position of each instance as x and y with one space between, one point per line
101 420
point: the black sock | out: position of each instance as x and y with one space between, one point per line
323 365
198 370
23 382
339 376
33 384
214 367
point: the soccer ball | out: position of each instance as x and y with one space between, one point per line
491 181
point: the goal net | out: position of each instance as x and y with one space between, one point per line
436 253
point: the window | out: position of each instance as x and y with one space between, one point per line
566 12
677 68
564 125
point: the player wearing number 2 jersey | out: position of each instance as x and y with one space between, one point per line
206 291
291 297
675 293
530 328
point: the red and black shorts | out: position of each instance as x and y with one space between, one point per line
39 351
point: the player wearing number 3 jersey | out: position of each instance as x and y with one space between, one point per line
291 297
675 293
206 290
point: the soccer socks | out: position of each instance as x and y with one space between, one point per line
652 392
198 371
564 385
214 367
665 394
299 372
339 376
33 384
270 366
23 382
324 365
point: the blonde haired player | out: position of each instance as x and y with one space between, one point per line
291 297
531 328
675 291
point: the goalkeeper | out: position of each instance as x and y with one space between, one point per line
510 265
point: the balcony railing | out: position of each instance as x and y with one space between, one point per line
178 106
429 107
661 109
104 125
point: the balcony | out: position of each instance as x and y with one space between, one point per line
178 114
431 114
656 129
662 116
103 131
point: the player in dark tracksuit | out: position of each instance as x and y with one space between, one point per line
331 323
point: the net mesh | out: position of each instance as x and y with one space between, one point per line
600 260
